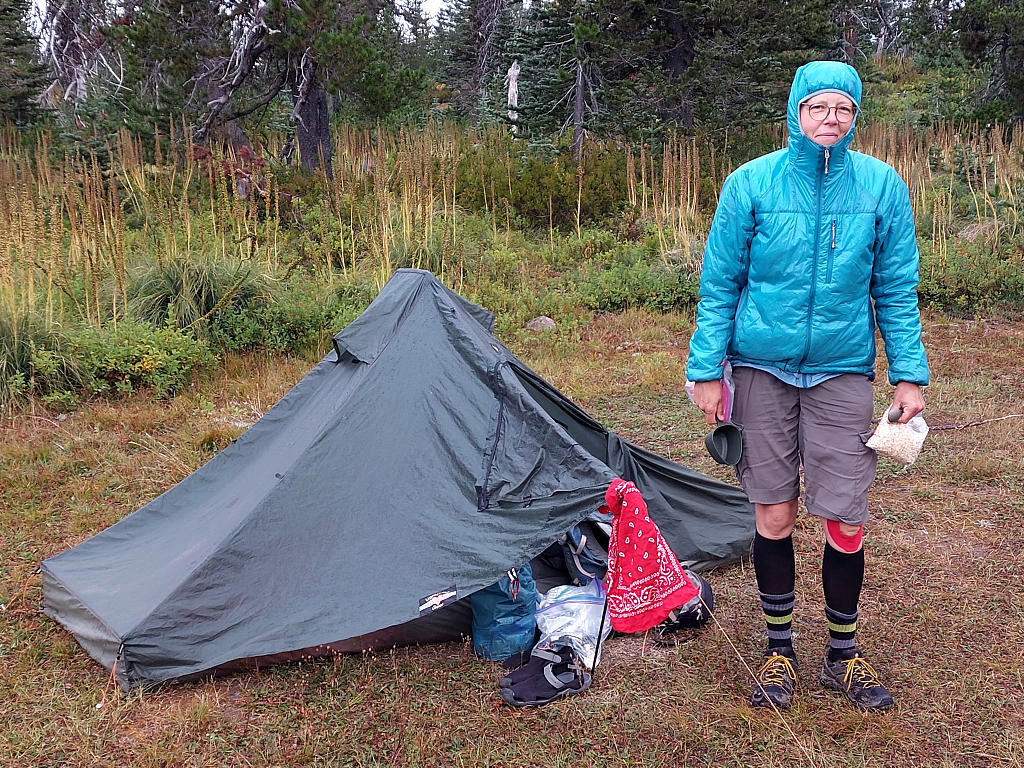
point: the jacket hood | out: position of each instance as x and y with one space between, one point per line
811 78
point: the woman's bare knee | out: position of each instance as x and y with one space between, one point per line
776 521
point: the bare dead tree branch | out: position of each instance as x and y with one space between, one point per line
268 97
306 70
487 18
252 45
72 40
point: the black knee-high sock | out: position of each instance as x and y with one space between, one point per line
775 569
842 576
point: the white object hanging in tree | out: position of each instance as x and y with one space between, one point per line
512 82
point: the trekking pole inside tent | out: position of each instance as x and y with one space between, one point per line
600 629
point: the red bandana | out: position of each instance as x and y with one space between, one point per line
645 581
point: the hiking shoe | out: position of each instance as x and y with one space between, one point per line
776 679
857 680
540 658
558 679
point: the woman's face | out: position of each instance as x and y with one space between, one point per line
833 122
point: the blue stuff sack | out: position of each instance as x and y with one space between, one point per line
505 615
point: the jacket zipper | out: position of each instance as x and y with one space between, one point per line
831 254
814 260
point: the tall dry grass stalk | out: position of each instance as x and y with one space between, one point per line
72 230
410 177
676 201
397 187
943 167
954 161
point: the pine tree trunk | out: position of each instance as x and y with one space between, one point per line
680 58
313 126
851 36
578 112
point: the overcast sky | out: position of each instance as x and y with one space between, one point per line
431 7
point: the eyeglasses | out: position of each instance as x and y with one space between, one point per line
819 112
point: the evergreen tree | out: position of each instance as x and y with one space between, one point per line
928 25
992 33
22 77
508 52
323 54
714 63
558 45
468 47
622 67
416 47
452 52
171 51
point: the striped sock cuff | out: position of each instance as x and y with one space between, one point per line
778 615
780 603
842 627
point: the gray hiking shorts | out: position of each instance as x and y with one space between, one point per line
823 427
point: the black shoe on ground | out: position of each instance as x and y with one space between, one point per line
855 678
776 679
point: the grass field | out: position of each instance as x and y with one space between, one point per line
942 613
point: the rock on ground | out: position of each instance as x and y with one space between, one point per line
541 323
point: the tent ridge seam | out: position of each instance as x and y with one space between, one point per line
393 331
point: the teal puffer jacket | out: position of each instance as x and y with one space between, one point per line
808 248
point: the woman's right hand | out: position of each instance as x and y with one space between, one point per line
708 397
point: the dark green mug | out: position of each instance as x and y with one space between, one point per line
725 443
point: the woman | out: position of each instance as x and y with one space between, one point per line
809 247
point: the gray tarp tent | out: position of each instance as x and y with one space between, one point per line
419 458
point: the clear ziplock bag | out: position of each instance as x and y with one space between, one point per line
571 617
900 442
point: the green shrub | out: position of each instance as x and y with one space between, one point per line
604 184
184 293
297 322
972 278
131 356
593 245
543 188
637 284
996 111
323 241
56 366
349 300
35 359
507 304
502 265
281 326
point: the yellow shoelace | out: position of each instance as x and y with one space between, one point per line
858 669
775 669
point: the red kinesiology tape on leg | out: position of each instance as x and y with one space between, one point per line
844 543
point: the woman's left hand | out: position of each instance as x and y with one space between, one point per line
909 399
